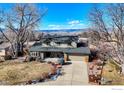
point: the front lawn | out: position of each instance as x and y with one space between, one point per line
14 73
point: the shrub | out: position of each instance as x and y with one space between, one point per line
8 57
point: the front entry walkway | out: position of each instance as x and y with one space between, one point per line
73 74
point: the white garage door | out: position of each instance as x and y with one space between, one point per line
75 58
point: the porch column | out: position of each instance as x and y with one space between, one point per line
42 55
85 59
65 57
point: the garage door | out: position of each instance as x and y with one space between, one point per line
75 57
83 58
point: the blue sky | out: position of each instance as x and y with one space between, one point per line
63 15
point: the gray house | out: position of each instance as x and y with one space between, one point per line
60 47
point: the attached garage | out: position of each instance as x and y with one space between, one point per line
74 57
77 54
78 57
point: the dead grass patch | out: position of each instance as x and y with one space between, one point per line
110 72
16 73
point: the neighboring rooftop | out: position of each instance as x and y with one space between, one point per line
4 45
60 39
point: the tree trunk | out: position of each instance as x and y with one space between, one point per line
16 50
122 69
13 50
21 49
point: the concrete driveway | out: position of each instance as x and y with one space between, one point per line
73 74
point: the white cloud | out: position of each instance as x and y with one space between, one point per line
74 22
52 26
81 24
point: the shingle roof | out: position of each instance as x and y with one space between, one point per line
4 45
46 49
60 39
66 39
80 50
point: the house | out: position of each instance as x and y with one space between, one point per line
2 52
60 47
3 49
83 42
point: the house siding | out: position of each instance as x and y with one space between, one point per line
2 52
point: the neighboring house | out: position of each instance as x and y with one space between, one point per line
28 44
83 42
4 47
2 52
2 55
60 47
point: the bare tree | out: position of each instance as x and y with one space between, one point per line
109 24
40 36
21 22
